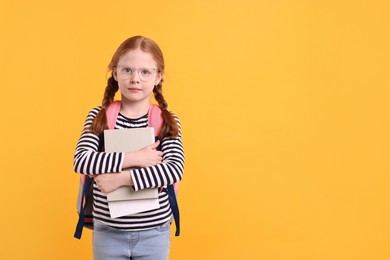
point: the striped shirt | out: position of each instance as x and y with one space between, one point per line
88 160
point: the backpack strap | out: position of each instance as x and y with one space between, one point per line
156 120
112 112
87 185
170 190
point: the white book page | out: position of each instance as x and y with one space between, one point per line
129 207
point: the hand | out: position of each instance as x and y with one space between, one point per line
111 181
145 157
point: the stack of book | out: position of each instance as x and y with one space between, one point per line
125 201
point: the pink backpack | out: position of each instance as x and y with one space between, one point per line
85 195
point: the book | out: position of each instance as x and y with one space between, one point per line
125 200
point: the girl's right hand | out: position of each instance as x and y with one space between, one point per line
145 157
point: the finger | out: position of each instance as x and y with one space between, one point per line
154 146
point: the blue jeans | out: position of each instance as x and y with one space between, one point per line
114 244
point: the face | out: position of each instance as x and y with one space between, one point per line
137 75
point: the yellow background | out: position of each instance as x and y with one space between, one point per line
284 107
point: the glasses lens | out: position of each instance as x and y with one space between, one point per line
145 74
126 73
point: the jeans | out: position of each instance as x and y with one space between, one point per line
113 244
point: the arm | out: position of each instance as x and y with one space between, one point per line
165 173
110 182
145 157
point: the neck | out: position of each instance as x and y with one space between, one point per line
134 109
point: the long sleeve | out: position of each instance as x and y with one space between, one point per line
87 158
168 172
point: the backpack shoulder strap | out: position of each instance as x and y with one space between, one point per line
155 119
112 112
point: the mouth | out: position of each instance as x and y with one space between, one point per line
134 89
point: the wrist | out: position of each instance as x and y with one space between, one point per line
126 178
130 160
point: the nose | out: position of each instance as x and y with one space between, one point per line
134 78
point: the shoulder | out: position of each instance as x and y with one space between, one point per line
91 116
93 112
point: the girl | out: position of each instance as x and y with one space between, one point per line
137 70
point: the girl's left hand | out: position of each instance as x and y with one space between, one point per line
109 182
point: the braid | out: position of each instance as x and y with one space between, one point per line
157 91
109 93
100 122
170 127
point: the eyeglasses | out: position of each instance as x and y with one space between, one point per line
144 74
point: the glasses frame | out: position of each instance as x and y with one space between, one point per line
134 70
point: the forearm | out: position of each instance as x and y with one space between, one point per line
156 176
163 174
112 181
145 157
90 163
124 178
129 160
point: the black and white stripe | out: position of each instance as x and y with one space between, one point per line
88 160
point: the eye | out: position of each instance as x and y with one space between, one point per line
127 70
145 72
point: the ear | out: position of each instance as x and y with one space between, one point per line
158 78
114 74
